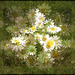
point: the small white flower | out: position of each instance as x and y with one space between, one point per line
39 24
53 29
58 42
49 44
16 47
33 29
44 39
39 16
24 31
38 36
18 40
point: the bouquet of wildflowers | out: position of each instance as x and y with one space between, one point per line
37 39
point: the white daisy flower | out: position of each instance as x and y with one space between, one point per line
39 16
18 40
38 36
33 29
49 45
16 47
24 31
39 24
44 39
58 43
53 29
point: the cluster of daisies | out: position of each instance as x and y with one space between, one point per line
44 31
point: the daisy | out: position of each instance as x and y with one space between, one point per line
53 29
33 29
24 31
39 24
44 39
38 36
58 42
49 44
39 16
16 47
18 40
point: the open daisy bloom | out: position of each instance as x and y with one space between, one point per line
18 40
58 42
24 31
39 24
44 39
18 43
37 36
49 45
39 16
33 29
53 29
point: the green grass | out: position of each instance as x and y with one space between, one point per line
57 6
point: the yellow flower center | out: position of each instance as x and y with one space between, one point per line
47 46
33 28
24 31
56 41
41 18
44 39
38 37
50 43
16 41
39 24
52 29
